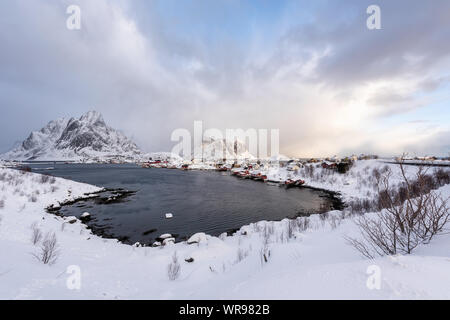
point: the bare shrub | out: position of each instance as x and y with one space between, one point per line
271 228
282 238
212 269
2 204
334 221
442 177
360 206
266 234
309 171
49 250
256 228
265 253
268 231
410 216
302 224
323 217
385 169
291 228
44 178
174 268
25 169
422 183
241 255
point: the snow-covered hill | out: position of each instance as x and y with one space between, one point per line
309 257
88 137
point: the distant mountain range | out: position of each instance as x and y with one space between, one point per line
89 138
86 138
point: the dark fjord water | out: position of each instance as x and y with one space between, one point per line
200 201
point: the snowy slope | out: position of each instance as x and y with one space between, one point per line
316 262
75 139
39 142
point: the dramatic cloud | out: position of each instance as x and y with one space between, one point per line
312 70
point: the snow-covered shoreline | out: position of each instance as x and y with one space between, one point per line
308 259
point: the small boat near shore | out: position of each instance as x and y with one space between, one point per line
290 183
244 174
258 176
272 182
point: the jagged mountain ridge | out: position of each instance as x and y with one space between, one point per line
88 137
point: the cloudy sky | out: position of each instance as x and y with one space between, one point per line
309 68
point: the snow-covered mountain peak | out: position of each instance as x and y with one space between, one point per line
93 117
48 134
75 139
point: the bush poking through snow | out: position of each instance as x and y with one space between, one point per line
24 169
45 178
265 251
241 255
2 204
291 228
49 251
334 221
413 215
422 183
174 268
36 235
302 224
264 255
442 177
32 198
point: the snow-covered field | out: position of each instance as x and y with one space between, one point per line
306 259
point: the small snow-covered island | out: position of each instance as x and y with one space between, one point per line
381 234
